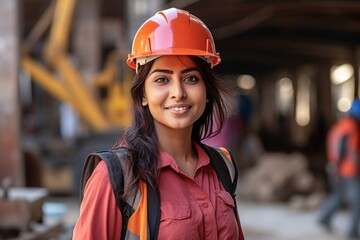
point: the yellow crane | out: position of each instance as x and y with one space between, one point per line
63 80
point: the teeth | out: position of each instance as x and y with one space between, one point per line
180 108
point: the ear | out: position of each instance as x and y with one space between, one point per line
144 102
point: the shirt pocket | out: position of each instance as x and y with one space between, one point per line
174 211
176 221
226 202
227 227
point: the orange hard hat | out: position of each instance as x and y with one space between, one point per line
172 32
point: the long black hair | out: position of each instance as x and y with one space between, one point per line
140 137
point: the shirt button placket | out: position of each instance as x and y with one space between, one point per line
209 216
205 205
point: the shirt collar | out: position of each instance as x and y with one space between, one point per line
167 160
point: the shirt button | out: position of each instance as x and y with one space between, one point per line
205 205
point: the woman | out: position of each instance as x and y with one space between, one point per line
176 100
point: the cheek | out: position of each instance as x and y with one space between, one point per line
201 93
199 96
154 95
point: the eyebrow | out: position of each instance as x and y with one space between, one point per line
171 72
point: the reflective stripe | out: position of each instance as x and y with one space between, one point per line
138 225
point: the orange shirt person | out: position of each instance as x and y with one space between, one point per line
343 146
343 152
176 101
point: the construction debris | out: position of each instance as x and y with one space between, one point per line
276 177
21 214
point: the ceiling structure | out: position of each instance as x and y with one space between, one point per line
260 36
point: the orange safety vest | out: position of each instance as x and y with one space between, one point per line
344 137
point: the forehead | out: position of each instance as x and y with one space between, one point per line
174 62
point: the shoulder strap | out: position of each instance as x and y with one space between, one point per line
115 167
153 212
219 161
223 169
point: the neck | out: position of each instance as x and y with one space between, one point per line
177 143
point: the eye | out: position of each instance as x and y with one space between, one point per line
191 79
161 80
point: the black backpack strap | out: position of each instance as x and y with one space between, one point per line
217 160
231 164
116 175
153 211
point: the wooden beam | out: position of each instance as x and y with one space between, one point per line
11 163
275 45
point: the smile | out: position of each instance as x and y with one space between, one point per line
179 108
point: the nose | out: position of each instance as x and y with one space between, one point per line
178 91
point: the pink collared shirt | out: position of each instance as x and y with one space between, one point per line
190 209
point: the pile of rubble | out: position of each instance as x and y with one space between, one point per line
281 177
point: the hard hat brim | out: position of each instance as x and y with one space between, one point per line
215 58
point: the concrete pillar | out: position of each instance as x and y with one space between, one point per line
323 91
138 11
356 64
267 104
87 34
11 163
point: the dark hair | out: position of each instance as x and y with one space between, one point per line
140 138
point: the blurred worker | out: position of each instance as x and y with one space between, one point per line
343 152
177 98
